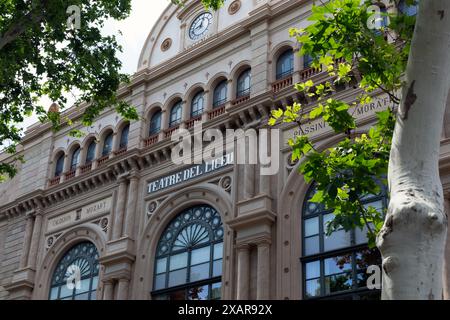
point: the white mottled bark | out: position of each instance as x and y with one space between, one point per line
412 241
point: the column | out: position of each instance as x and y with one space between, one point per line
263 271
243 269
131 206
120 209
34 247
249 181
230 93
297 65
446 276
185 113
264 180
122 290
27 240
108 290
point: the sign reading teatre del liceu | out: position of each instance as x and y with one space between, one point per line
190 173
85 213
360 112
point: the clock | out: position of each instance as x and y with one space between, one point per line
200 26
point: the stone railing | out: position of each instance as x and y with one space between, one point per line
218 111
70 175
102 160
282 84
121 151
191 123
54 182
86 168
169 132
240 100
151 140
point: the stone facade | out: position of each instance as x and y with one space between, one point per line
108 203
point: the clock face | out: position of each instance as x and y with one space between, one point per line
200 26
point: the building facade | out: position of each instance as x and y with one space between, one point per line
110 216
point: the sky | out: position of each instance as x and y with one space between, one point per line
135 30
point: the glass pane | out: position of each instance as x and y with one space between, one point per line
84 296
339 282
161 265
198 293
378 205
367 258
177 295
338 264
94 283
361 235
312 288
83 286
200 255
54 293
94 295
177 277
216 291
217 268
218 251
312 245
160 281
312 270
65 291
338 239
178 261
200 272
311 227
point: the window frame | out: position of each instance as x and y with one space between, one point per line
93 273
173 250
196 110
323 255
173 122
75 158
157 115
107 151
223 86
287 55
91 152
124 135
242 91
59 160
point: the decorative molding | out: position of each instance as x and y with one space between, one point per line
166 44
234 7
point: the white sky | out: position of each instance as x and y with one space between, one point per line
135 29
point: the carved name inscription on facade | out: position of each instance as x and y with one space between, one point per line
85 213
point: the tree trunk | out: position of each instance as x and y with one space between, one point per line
412 240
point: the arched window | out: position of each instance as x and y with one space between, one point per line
188 262
124 137
220 94
107 145
175 114
76 275
244 83
335 265
285 64
75 159
155 123
59 167
197 104
307 61
90 156
409 10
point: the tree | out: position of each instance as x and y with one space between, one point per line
44 53
404 144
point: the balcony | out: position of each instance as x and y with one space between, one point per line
70 175
102 160
218 111
148 142
121 151
86 168
240 100
191 123
308 73
282 84
54 182
169 132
